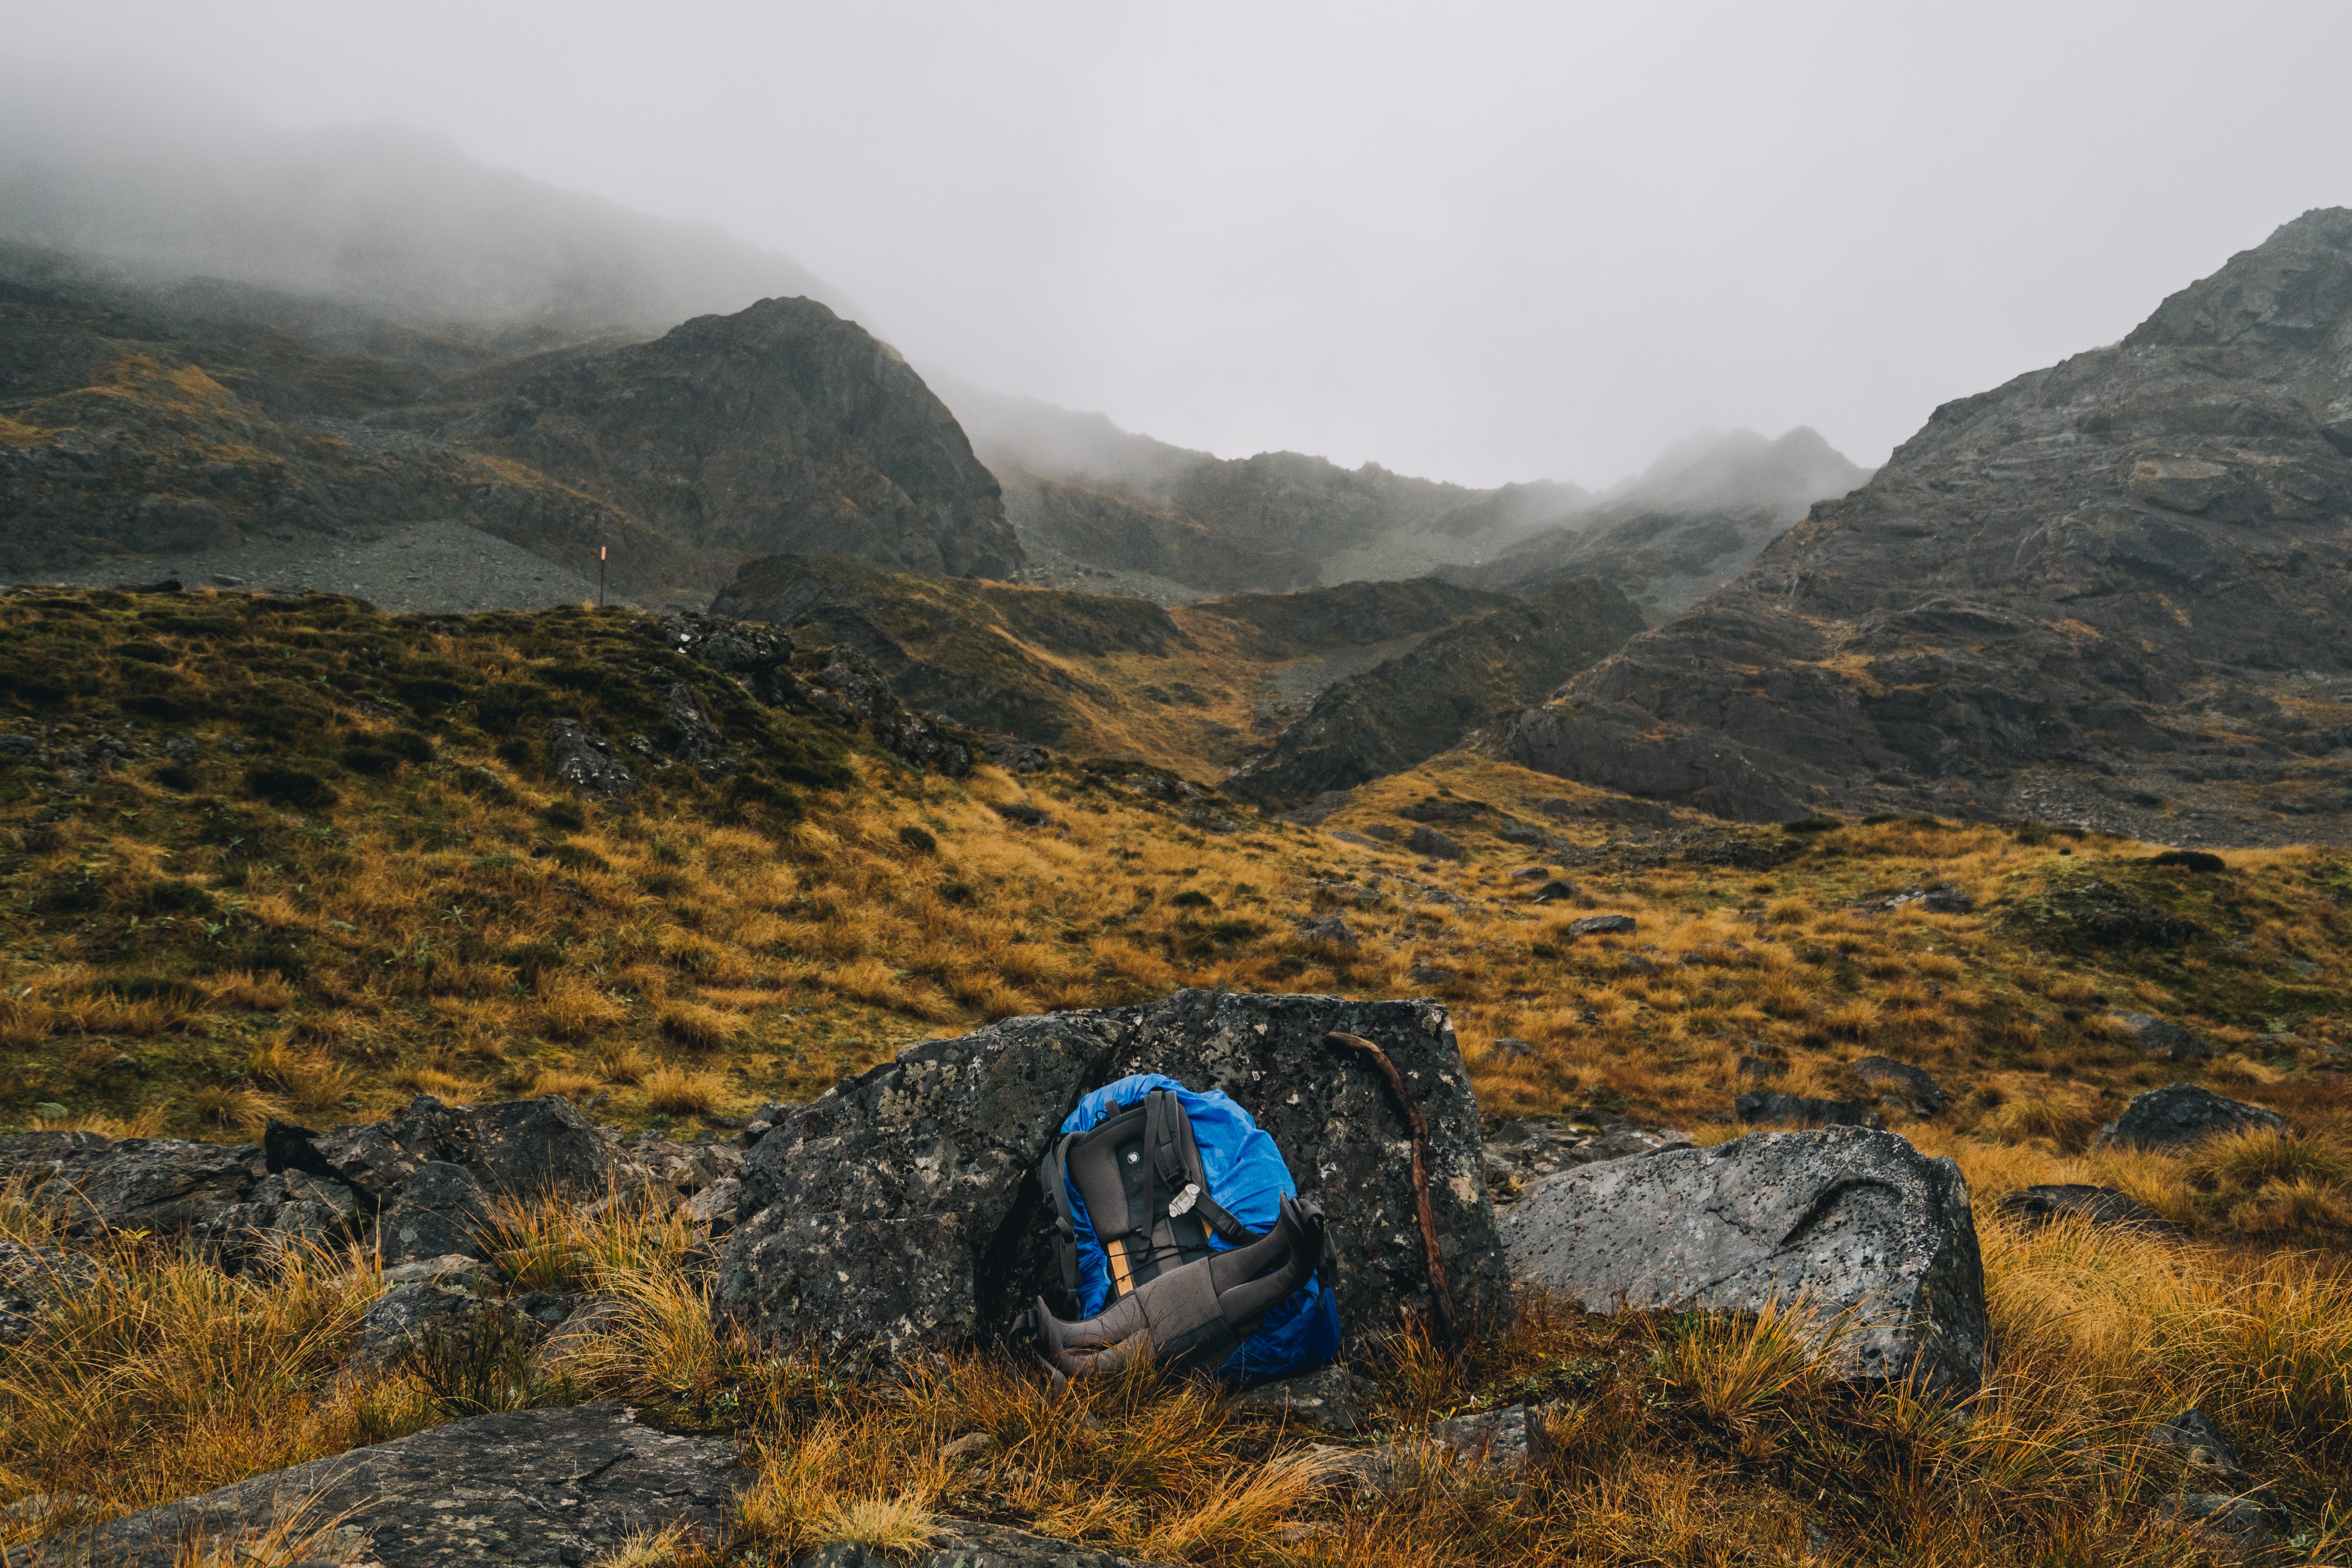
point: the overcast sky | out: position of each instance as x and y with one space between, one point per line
1479 243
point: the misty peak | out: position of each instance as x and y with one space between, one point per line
1737 468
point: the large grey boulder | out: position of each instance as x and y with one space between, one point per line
1843 1220
900 1208
530 1489
2180 1115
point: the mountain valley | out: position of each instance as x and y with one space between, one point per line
570 835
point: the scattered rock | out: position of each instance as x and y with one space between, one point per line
534 1489
970 1445
894 1210
1553 891
1922 1094
442 1211
1601 925
1843 1218
430 1270
1329 932
31 1279
1346 836
408 1317
585 761
1425 972
2198 860
1027 816
2180 1115
1766 1108
1428 841
2163 1038
963 1543
1519 1153
1505 1440
2235 1527
1764 1067
238 1202
587 1321
1531 874
2031 1208
1511 1048
1944 899
713 1208
1332 1398
1016 756
2196 1439
1386 832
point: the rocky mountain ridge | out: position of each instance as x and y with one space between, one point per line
202 417
2112 591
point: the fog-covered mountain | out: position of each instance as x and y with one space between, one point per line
1683 527
161 183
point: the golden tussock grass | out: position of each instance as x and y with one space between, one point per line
682 1091
698 1028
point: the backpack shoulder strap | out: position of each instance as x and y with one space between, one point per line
1054 1181
1178 1155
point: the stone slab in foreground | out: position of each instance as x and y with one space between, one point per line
1844 1219
521 1490
900 1208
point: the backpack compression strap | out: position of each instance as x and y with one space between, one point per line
1191 1317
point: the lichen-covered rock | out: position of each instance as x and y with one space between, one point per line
530 1489
2180 1115
900 1209
1843 1219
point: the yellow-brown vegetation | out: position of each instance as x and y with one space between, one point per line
186 952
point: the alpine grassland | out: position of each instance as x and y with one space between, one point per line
294 857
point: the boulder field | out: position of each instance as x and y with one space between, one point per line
898 1213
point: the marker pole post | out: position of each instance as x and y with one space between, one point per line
601 550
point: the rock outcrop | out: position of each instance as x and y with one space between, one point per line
900 1209
530 1489
420 1183
1840 1221
781 427
144 425
2180 1115
2086 595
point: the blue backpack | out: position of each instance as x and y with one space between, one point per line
1180 1235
